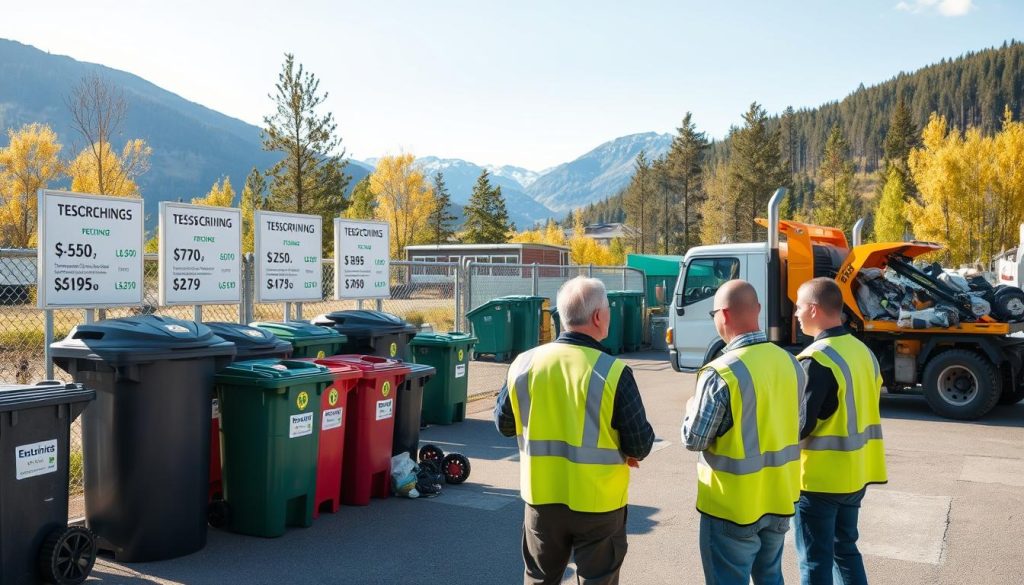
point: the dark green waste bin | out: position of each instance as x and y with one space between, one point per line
632 317
526 316
491 323
614 342
308 340
146 438
371 332
444 398
409 409
270 430
36 542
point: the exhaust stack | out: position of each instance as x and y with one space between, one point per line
774 301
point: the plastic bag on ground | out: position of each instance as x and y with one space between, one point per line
403 476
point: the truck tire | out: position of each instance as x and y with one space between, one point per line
961 384
1008 305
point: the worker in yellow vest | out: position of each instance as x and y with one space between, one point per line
842 450
580 423
745 419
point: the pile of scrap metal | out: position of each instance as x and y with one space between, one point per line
921 298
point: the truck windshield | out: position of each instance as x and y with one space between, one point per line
705 275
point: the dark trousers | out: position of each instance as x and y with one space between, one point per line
826 539
553 532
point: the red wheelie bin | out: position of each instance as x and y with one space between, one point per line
371 425
334 411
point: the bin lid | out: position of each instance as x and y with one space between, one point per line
496 304
419 370
339 370
450 339
301 333
247 338
522 298
625 293
271 374
369 365
364 323
50 392
141 338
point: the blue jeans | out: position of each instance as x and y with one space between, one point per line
826 539
733 554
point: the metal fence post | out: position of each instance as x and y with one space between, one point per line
47 340
246 310
197 313
624 278
468 301
298 311
287 312
590 271
536 280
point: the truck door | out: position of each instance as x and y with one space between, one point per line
694 329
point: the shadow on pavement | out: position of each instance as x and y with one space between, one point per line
474 438
914 407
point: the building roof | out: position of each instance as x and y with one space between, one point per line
458 247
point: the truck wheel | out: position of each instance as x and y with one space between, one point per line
1009 305
961 384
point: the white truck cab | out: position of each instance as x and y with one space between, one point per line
704 269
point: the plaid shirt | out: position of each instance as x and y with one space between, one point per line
636 436
709 416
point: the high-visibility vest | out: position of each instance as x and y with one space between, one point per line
562 396
754 468
845 452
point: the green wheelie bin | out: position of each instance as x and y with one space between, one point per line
491 323
614 342
526 316
445 395
308 340
632 303
270 430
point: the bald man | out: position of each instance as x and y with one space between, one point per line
745 419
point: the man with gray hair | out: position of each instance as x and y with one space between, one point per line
580 423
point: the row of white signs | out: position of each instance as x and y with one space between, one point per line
91 254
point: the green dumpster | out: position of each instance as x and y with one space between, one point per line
445 395
308 340
614 342
270 429
491 323
633 317
526 315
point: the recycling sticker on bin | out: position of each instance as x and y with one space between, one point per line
385 408
332 419
300 425
35 459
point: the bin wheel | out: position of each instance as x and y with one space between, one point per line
431 453
218 513
456 468
67 555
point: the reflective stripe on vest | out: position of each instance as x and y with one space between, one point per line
751 443
588 452
854 439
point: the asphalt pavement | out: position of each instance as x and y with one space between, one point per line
952 512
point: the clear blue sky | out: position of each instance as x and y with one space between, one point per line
529 83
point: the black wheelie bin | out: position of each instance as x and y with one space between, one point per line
146 438
371 332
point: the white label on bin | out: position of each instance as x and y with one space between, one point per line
332 419
35 459
385 408
301 425
460 370
216 408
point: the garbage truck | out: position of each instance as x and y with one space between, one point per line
953 342
1010 264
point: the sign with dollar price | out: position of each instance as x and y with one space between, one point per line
362 252
287 255
200 254
89 251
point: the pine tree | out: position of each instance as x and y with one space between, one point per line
900 139
640 205
835 203
441 221
684 163
363 201
486 217
891 213
757 170
253 197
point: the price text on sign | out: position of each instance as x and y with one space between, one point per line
90 250
200 254
361 265
288 257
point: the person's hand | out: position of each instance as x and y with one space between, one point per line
633 462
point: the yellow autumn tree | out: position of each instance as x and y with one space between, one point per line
28 163
551 234
1007 158
404 200
100 170
220 195
585 250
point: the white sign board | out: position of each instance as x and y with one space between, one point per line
288 257
200 254
90 251
362 252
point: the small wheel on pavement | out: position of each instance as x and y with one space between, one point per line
456 468
431 453
67 555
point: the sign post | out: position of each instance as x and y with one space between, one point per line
287 254
200 255
90 251
362 265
